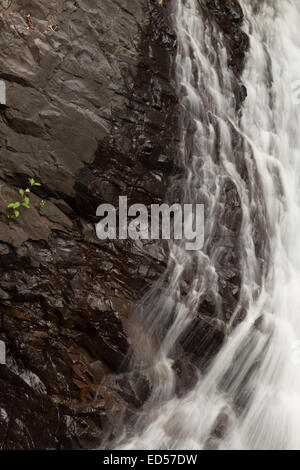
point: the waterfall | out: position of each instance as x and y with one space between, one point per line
248 397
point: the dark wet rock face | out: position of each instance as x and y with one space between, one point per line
229 16
89 114
34 421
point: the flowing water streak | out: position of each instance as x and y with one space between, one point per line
252 389
207 119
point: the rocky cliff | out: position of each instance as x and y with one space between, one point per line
88 114
91 113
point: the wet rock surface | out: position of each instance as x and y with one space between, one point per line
89 114
204 337
92 114
229 16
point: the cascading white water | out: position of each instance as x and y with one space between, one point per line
253 385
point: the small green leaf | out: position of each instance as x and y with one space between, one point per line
22 192
17 213
14 205
27 190
26 200
33 182
26 205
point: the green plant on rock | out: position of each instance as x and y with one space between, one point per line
15 207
